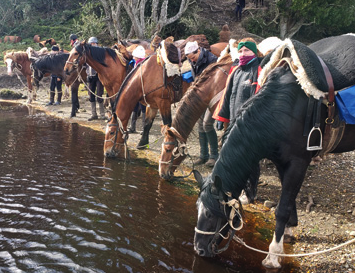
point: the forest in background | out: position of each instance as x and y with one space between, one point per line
119 19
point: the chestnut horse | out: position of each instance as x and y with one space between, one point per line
110 65
204 93
146 84
19 60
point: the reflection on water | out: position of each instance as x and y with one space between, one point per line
63 208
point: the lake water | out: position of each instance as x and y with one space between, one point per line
65 208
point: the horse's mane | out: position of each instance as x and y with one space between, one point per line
258 128
191 103
50 61
98 53
18 56
126 80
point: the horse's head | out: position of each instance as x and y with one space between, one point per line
218 212
114 145
10 63
75 58
173 152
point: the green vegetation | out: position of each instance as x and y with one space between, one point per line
10 94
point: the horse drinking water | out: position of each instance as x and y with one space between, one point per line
272 125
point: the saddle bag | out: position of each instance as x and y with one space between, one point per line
345 100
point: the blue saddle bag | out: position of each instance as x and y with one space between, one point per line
345 101
187 77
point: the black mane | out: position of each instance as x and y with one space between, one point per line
98 53
259 126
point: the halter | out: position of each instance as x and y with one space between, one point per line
179 150
124 133
235 211
81 52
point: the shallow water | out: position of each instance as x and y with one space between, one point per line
64 208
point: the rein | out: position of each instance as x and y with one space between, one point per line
179 150
113 139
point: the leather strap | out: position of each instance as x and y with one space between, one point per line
330 104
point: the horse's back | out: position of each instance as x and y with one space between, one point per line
338 53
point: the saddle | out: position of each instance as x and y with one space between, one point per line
319 72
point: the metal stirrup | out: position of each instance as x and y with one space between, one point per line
315 148
316 128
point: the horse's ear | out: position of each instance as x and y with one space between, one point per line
218 182
198 178
83 42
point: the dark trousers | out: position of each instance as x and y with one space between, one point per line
95 86
55 83
138 107
238 12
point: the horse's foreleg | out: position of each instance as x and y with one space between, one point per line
292 175
149 118
31 93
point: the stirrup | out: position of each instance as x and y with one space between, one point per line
315 148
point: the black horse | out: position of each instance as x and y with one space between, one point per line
270 125
54 64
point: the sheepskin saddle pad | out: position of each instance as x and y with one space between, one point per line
337 52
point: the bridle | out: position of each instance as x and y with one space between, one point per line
124 133
236 209
75 63
180 150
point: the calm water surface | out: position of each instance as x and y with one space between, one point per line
64 208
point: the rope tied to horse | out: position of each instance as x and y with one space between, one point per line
239 240
124 133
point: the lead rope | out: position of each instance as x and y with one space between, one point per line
141 74
239 240
88 88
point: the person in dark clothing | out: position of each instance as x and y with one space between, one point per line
241 86
199 59
95 85
73 38
239 9
56 82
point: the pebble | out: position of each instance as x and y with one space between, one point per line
352 233
269 204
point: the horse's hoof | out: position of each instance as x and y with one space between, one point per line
271 262
142 146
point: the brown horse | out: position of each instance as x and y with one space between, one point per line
147 84
203 94
216 49
19 60
110 65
